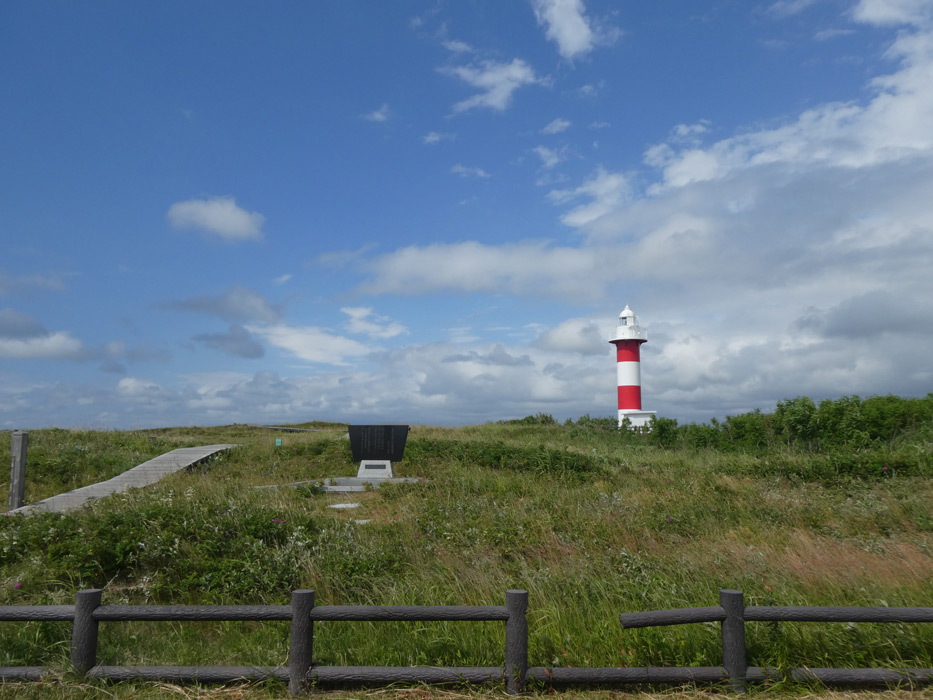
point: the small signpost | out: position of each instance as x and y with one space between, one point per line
376 447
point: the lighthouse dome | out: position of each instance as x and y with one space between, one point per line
628 327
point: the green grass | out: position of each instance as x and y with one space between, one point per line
589 522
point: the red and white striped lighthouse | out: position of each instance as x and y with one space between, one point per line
628 338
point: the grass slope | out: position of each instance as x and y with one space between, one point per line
588 523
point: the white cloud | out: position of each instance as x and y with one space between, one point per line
826 34
379 115
566 25
520 268
364 320
771 263
556 126
498 81
464 171
136 388
217 215
788 8
310 343
689 132
893 12
760 264
456 46
549 156
282 279
605 190
434 137
578 335
59 345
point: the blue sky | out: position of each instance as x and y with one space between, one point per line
433 212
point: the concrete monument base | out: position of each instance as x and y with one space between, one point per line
375 469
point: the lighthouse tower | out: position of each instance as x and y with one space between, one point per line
628 338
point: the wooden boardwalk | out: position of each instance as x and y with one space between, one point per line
137 477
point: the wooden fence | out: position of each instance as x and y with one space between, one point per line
87 613
733 614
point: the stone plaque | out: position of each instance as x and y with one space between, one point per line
378 442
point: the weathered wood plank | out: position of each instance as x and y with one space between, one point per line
189 674
409 613
139 476
191 613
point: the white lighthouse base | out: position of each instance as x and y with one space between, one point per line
636 419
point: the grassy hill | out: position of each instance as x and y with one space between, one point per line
591 522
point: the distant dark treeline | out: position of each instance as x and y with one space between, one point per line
848 422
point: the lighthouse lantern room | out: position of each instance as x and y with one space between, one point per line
628 338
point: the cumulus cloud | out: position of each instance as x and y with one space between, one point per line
236 304
606 191
579 335
237 341
520 268
550 157
23 337
311 344
871 315
59 345
568 26
464 171
892 126
139 389
497 82
379 115
218 215
434 137
498 356
893 12
788 8
556 126
770 263
762 264
826 34
364 320
456 46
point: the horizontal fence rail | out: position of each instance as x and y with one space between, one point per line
733 614
87 613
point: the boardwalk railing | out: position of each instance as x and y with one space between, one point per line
87 613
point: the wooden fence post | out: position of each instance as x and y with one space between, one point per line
84 632
18 443
516 641
301 644
733 638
